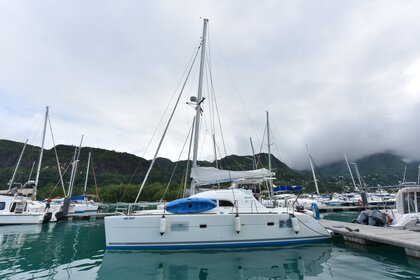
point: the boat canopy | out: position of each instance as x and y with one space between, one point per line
211 175
287 188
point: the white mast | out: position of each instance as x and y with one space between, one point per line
87 172
17 166
41 153
418 175
313 171
405 170
254 162
358 174
74 167
199 100
351 174
270 181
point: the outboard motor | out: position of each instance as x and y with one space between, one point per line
363 218
377 218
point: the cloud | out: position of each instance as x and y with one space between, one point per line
340 77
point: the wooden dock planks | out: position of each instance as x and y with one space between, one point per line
364 234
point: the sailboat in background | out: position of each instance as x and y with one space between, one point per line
18 205
79 204
211 219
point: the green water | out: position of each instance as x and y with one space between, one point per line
75 250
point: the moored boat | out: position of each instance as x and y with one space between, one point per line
238 219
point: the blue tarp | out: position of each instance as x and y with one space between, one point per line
287 188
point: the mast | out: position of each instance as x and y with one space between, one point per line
87 172
418 175
254 162
358 174
215 151
199 100
41 153
74 167
270 180
405 170
313 171
17 166
351 174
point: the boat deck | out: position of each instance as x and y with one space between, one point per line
364 234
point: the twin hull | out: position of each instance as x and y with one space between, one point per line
209 231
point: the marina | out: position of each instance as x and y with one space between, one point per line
172 145
35 251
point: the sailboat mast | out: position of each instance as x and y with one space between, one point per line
313 170
351 174
418 174
17 166
199 97
405 170
358 174
41 153
254 162
270 181
87 172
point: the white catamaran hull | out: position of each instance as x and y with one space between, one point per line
209 231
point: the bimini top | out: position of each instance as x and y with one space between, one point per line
190 205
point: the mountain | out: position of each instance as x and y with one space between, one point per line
381 168
111 167
120 174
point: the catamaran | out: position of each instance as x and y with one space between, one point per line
215 218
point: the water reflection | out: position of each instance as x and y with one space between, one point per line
281 263
54 249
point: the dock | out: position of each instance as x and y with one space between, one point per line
364 234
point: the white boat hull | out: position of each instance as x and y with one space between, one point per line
209 231
19 219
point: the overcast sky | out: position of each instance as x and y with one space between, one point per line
340 76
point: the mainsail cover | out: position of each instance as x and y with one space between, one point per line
211 175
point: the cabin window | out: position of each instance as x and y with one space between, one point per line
2 205
270 224
203 226
179 226
13 207
225 203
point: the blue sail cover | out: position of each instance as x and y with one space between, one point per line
287 188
